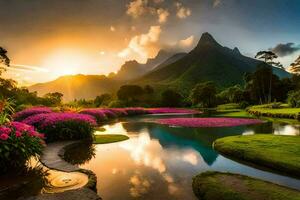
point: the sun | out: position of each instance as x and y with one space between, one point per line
65 62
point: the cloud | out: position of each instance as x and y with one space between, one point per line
137 8
188 42
216 3
285 49
143 46
182 12
162 15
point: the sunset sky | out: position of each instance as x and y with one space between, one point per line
49 38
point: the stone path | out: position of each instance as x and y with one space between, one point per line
52 159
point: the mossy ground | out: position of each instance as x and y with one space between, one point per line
109 138
281 153
227 186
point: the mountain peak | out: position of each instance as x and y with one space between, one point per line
207 40
236 50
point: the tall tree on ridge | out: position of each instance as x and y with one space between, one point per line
295 66
268 57
4 60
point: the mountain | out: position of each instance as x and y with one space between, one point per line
78 86
208 61
132 69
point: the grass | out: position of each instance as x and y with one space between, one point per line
283 112
109 138
280 153
227 186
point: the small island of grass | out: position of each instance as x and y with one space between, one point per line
109 138
227 186
281 153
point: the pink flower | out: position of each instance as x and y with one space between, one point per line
4 136
18 134
5 130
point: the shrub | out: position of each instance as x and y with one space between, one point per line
294 99
99 114
19 116
18 142
63 126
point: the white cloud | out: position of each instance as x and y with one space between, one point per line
188 42
162 15
216 3
112 29
182 12
143 46
137 8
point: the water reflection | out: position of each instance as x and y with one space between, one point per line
158 162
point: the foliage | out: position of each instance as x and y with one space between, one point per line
20 116
233 94
294 99
18 142
103 100
129 93
171 98
6 110
204 94
266 150
295 66
227 186
4 60
266 111
63 126
53 99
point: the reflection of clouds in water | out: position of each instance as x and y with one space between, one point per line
287 130
116 128
139 185
191 158
149 152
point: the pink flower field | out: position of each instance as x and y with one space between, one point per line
172 111
208 122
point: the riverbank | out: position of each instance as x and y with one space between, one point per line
227 186
280 153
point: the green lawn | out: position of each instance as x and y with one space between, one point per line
226 186
281 153
283 112
110 138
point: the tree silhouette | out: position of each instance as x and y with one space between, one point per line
4 60
268 57
295 66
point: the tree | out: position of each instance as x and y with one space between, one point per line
4 60
148 89
268 57
130 93
54 98
171 98
103 100
204 94
232 94
295 66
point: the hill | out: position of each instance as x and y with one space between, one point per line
208 61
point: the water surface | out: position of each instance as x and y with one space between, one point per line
158 162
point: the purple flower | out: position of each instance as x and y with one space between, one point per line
19 116
4 136
208 122
172 110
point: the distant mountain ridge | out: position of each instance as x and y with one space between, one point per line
208 61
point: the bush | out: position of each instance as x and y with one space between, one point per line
99 114
20 116
294 99
18 142
63 126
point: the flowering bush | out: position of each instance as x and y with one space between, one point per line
208 122
99 114
63 126
171 110
19 116
18 142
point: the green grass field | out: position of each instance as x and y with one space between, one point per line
281 153
105 139
226 186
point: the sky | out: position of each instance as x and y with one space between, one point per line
49 38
